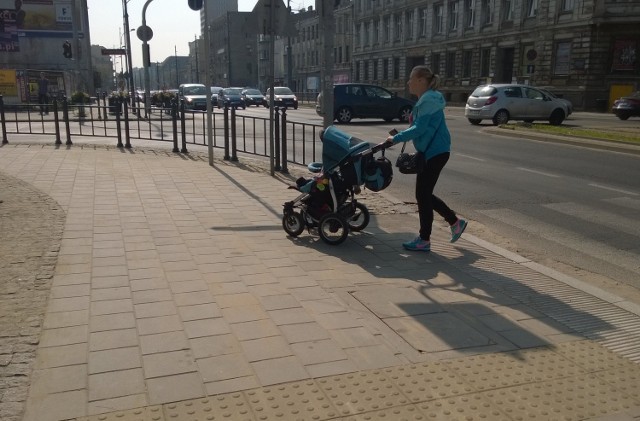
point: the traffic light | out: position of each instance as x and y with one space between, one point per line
66 50
195 4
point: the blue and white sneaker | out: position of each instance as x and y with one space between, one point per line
417 244
457 229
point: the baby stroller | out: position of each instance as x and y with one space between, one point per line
327 201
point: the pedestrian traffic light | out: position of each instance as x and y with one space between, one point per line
66 50
195 4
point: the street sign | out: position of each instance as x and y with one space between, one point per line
113 51
144 33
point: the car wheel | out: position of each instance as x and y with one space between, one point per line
244 107
557 117
623 116
295 107
501 117
405 113
474 121
344 115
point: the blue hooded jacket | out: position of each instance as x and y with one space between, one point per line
428 129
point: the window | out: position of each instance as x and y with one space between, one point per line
435 63
358 37
339 56
410 24
367 31
507 7
485 62
470 13
366 70
358 71
376 31
423 22
453 16
397 27
466 63
438 23
532 8
385 69
487 12
346 54
375 69
567 5
396 68
533 94
387 28
512 92
562 58
450 70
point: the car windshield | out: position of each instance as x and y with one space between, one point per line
252 92
232 91
195 90
482 91
282 90
215 90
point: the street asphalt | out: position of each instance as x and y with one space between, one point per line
167 289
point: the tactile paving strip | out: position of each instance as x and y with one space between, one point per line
230 406
428 381
361 392
491 371
592 356
150 413
575 398
400 413
294 401
473 407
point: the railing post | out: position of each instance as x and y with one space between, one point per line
226 133
184 129
127 139
56 121
118 105
174 120
105 105
4 122
234 156
285 170
276 140
65 116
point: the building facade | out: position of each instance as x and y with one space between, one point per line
35 35
233 51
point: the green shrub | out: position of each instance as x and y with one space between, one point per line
80 97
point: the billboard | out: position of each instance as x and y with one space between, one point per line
33 18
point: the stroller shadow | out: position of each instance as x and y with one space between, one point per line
458 298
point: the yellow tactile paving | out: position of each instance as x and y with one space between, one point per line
573 381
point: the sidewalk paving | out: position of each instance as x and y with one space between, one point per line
177 295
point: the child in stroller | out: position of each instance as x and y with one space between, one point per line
327 201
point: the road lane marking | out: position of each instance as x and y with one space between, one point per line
469 156
613 189
546 174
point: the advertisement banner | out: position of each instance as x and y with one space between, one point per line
34 18
9 30
8 85
624 55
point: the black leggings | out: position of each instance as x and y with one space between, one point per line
427 201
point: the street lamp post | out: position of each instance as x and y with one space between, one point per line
145 64
127 32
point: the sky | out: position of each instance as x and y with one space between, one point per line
173 23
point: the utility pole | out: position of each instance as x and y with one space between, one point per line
195 40
289 58
127 33
175 54
327 28
146 62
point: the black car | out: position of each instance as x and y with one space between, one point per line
231 97
254 97
358 100
627 106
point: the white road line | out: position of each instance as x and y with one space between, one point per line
469 156
613 189
546 174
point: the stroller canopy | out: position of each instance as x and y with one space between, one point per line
337 145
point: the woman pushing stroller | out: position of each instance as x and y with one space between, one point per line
430 135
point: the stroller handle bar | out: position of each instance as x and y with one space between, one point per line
384 145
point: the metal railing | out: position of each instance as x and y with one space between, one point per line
294 142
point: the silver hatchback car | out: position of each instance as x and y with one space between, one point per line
503 102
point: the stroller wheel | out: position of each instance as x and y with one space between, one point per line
292 223
360 217
333 228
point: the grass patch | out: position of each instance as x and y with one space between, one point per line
612 135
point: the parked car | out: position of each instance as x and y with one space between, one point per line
566 101
193 95
627 106
282 97
503 102
254 97
214 94
358 100
231 97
